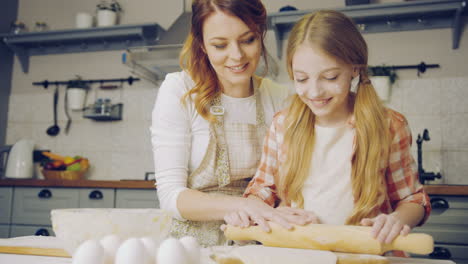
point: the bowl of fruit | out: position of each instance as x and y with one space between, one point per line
57 167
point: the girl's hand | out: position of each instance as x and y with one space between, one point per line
255 211
386 227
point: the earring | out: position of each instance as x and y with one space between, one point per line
355 84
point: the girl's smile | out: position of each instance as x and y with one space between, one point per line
318 103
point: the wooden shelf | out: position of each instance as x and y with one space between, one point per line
140 184
118 37
122 184
446 189
391 17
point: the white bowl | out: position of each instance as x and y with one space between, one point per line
74 226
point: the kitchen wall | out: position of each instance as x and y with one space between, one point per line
121 150
116 150
7 14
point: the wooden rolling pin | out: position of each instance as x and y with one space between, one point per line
347 239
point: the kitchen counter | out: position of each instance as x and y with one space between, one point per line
446 189
122 184
54 243
136 184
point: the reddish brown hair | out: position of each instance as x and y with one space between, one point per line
193 58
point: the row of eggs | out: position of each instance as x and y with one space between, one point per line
112 250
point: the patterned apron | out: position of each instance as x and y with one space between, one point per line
224 170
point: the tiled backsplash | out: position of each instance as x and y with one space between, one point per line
440 106
116 150
122 150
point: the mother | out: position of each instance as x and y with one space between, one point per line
210 119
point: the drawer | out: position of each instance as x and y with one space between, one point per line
456 234
33 205
6 196
457 253
96 198
459 202
449 210
449 216
132 198
4 231
27 230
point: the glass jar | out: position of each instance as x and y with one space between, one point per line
98 106
107 106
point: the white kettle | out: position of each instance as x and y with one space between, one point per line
20 160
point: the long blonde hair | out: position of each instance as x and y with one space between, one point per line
193 58
338 37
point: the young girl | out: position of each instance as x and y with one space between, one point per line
338 154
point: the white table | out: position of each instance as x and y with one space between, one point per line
53 242
28 259
32 241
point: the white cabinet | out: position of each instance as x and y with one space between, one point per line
4 231
6 196
133 198
25 211
448 224
31 230
32 205
96 198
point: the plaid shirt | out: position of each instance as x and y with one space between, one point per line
401 172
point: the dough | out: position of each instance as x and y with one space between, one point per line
346 258
256 254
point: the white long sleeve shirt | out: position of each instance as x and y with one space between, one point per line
180 136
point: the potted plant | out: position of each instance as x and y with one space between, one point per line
382 78
107 13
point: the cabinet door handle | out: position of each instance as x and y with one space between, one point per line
45 194
439 203
96 195
42 232
440 253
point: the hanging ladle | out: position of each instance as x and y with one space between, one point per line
54 129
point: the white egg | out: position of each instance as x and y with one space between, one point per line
171 251
89 252
192 248
132 250
150 246
110 243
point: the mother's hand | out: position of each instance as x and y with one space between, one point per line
255 211
298 216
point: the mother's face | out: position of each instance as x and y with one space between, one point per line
233 49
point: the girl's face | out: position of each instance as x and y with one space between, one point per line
323 83
232 48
